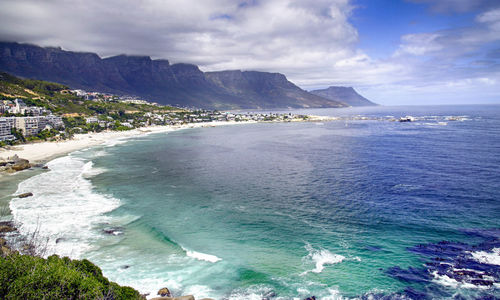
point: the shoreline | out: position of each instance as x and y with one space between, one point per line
42 152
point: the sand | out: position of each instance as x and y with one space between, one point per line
44 151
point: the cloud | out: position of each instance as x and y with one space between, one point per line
313 42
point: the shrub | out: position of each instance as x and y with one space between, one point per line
31 277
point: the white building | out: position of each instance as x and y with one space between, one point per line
6 125
18 108
91 120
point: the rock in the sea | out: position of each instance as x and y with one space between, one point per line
24 195
21 164
164 292
188 297
6 228
14 164
45 167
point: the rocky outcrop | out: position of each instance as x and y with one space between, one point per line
188 297
14 164
157 80
5 229
25 195
343 94
164 292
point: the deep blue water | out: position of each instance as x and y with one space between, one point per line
347 208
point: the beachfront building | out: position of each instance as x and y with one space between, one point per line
30 125
55 121
33 125
6 125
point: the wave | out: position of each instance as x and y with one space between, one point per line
321 257
202 256
491 258
64 210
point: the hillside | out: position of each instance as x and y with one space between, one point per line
344 94
57 98
157 80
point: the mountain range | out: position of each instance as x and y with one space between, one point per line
157 80
343 94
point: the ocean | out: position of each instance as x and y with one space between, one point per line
362 207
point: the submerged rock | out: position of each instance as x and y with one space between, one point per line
114 231
7 228
188 297
25 195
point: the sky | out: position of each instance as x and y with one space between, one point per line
394 52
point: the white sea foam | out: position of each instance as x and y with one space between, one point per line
114 142
90 171
64 210
492 258
202 256
321 257
450 282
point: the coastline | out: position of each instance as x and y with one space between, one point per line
39 153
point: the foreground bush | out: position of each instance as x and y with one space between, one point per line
30 277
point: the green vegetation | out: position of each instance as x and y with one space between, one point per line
31 277
60 100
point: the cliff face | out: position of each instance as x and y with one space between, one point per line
344 94
260 89
158 80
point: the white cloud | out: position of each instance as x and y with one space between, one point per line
312 42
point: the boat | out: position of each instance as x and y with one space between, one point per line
407 119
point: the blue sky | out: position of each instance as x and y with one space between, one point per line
381 23
398 52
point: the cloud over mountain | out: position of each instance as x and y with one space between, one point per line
315 43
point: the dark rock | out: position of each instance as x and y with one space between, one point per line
113 231
188 297
164 292
25 195
480 282
16 164
7 228
269 295
45 167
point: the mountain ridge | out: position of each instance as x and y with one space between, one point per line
156 79
344 94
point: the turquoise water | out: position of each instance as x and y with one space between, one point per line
285 210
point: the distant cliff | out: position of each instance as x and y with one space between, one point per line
260 88
346 95
158 80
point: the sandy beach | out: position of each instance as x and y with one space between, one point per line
44 151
